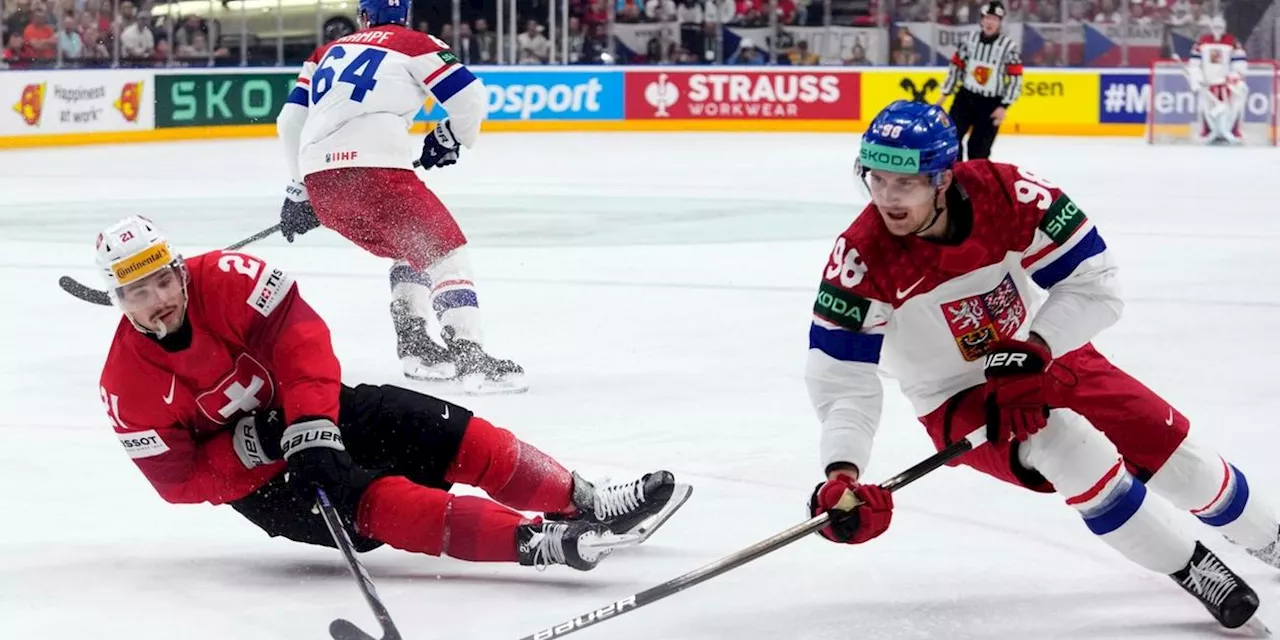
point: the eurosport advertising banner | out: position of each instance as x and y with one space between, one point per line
559 94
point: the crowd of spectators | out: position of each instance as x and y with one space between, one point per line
95 33
71 33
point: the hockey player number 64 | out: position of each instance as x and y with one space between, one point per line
359 73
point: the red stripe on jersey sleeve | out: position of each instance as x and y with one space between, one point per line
955 59
302 80
438 72
1014 69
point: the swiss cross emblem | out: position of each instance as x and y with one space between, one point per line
979 321
982 74
246 389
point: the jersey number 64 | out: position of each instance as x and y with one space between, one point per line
358 72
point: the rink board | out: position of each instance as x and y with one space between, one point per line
70 107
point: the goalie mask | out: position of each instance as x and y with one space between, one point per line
1217 26
144 276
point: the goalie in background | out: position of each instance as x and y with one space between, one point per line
1216 71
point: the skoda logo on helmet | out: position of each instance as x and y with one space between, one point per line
878 157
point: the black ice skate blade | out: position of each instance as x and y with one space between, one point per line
346 630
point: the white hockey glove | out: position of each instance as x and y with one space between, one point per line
440 148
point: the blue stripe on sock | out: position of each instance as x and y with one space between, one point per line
403 273
1119 510
454 299
1235 506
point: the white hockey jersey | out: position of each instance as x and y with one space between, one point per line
1214 58
356 98
933 310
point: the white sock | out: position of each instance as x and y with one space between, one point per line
1085 467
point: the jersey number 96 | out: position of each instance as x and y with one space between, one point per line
358 72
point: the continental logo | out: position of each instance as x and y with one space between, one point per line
142 264
30 104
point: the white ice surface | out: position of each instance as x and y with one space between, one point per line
657 288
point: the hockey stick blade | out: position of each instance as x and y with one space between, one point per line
343 629
95 296
758 550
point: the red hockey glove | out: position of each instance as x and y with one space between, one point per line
1017 403
867 520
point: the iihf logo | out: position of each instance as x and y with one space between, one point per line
661 94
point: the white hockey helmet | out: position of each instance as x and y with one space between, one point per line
131 250
1217 26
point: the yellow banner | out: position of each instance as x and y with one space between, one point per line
1048 98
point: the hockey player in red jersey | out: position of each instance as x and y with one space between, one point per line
1216 71
221 378
942 274
351 161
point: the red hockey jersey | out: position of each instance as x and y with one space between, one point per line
254 344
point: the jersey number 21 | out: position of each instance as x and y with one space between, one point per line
358 72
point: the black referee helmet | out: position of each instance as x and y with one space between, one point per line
993 8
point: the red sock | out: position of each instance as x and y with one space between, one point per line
513 472
412 517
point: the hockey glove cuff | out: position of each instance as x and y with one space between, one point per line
318 460
257 438
859 512
440 148
1017 391
296 214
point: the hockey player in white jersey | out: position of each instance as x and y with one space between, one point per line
1216 71
983 286
351 161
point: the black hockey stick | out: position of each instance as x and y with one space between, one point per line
89 294
728 563
342 629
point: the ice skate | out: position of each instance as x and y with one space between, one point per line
1229 600
577 544
421 357
634 508
481 373
1269 554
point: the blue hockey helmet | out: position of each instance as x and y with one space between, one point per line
910 137
378 12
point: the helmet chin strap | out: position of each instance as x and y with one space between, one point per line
937 212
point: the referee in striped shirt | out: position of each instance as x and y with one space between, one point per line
987 71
